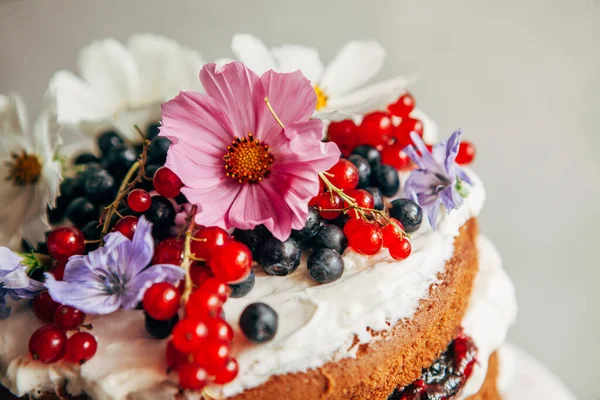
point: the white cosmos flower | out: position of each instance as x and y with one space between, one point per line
29 171
124 85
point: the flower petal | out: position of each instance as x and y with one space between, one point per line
432 212
254 53
292 98
85 296
194 167
9 261
292 57
142 248
233 86
213 202
13 123
355 64
154 274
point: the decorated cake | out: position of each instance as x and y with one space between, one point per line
264 227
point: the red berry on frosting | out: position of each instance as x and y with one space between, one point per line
466 153
44 307
231 262
400 248
68 318
392 231
329 201
64 242
192 377
216 286
169 251
48 344
394 156
375 129
213 356
203 304
402 132
351 225
366 238
189 335
161 301
81 347
404 105
343 133
175 357
199 274
219 329
345 175
208 239
227 373
127 226
362 198
167 183
139 200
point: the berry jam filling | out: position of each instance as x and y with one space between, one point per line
446 376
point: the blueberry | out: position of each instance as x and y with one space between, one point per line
158 150
244 287
408 213
340 221
160 329
279 258
385 177
100 186
152 130
92 231
85 158
108 140
364 169
253 238
259 322
378 203
331 237
370 153
71 188
310 227
149 172
56 214
162 214
325 265
81 211
120 159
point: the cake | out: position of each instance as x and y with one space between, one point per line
211 245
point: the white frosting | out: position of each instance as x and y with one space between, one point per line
317 323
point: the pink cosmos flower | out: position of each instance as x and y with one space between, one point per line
237 164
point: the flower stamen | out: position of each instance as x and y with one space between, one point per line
321 98
247 160
24 169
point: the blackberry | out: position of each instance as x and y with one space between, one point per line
253 238
364 170
119 159
331 237
325 265
86 158
408 213
378 202
259 322
158 150
100 186
81 211
108 140
244 287
310 227
385 177
160 329
279 258
370 153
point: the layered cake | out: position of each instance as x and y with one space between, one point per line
276 231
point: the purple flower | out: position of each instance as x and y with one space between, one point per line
14 281
438 178
114 276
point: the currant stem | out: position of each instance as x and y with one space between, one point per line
188 257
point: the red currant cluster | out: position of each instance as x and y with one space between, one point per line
370 236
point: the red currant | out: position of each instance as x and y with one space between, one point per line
216 286
64 242
58 270
175 357
329 201
400 248
466 153
139 200
343 133
127 226
375 129
394 156
161 301
363 199
202 304
48 344
402 132
192 377
345 175
351 225
68 318
81 347
392 231
200 273
231 262
169 251
228 373
44 307
167 183
212 356
189 335
366 239
208 239
402 107
219 329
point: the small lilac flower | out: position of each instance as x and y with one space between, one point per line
114 276
437 179
14 281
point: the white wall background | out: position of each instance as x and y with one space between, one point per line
520 76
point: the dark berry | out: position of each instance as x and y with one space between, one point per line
259 322
385 177
331 237
56 214
81 211
408 213
310 227
92 231
378 203
70 188
160 329
120 159
158 150
85 158
364 169
244 287
370 153
181 199
100 186
325 265
279 258
152 130
161 212
149 172
340 221
108 140
253 238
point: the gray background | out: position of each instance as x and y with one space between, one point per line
521 78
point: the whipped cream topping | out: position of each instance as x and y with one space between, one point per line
317 323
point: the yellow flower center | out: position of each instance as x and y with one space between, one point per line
247 160
23 169
321 98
